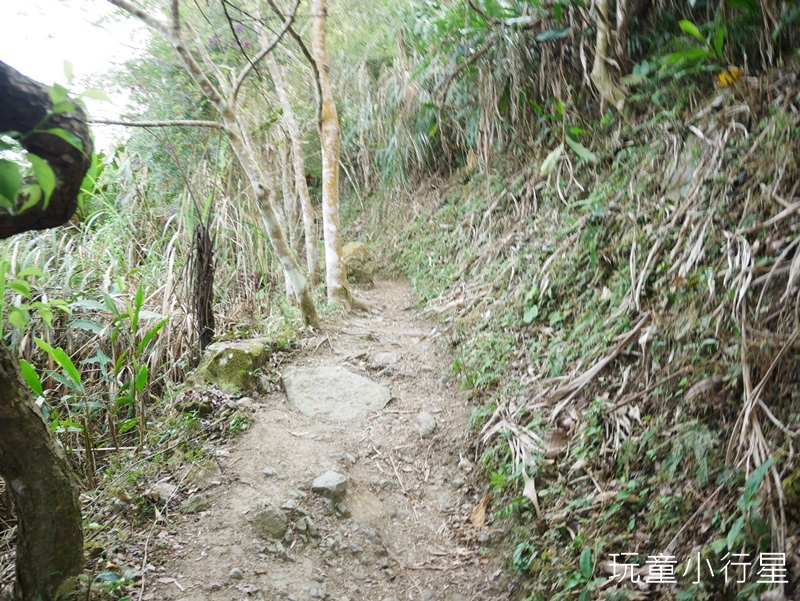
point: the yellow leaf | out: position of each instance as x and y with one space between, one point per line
726 78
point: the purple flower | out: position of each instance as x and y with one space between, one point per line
239 28
246 44
169 147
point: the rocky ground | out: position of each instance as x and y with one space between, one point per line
362 490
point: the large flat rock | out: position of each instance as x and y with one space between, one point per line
333 393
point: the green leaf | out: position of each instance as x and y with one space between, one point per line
94 94
10 179
34 194
59 356
574 580
87 303
68 72
719 43
551 160
754 481
44 174
67 136
34 271
531 314
138 301
20 286
581 150
57 93
586 563
109 577
18 318
31 377
733 533
111 305
553 34
151 334
128 424
141 378
63 107
120 362
690 55
691 29
89 326
46 314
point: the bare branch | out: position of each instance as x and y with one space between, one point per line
238 41
490 40
137 12
304 49
167 123
172 34
263 52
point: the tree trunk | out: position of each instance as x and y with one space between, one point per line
289 198
298 161
242 148
600 75
49 536
335 275
280 212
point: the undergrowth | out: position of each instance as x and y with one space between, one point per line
627 331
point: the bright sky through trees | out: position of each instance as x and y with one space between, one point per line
39 35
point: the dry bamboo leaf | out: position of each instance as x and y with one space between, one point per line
478 515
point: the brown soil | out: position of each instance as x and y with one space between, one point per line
410 525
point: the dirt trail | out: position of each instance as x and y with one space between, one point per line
402 530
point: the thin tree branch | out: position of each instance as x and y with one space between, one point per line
172 34
144 17
167 123
304 49
490 40
238 41
263 52
201 49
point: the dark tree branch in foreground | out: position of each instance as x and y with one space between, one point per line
49 535
24 105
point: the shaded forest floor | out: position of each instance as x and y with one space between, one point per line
411 523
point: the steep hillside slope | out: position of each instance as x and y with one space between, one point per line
629 332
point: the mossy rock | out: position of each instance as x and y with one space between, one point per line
359 264
232 365
791 493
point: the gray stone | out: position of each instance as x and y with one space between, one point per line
269 472
270 521
194 504
291 505
246 403
330 484
236 574
161 492
386 358
333 393
427 424
205 475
